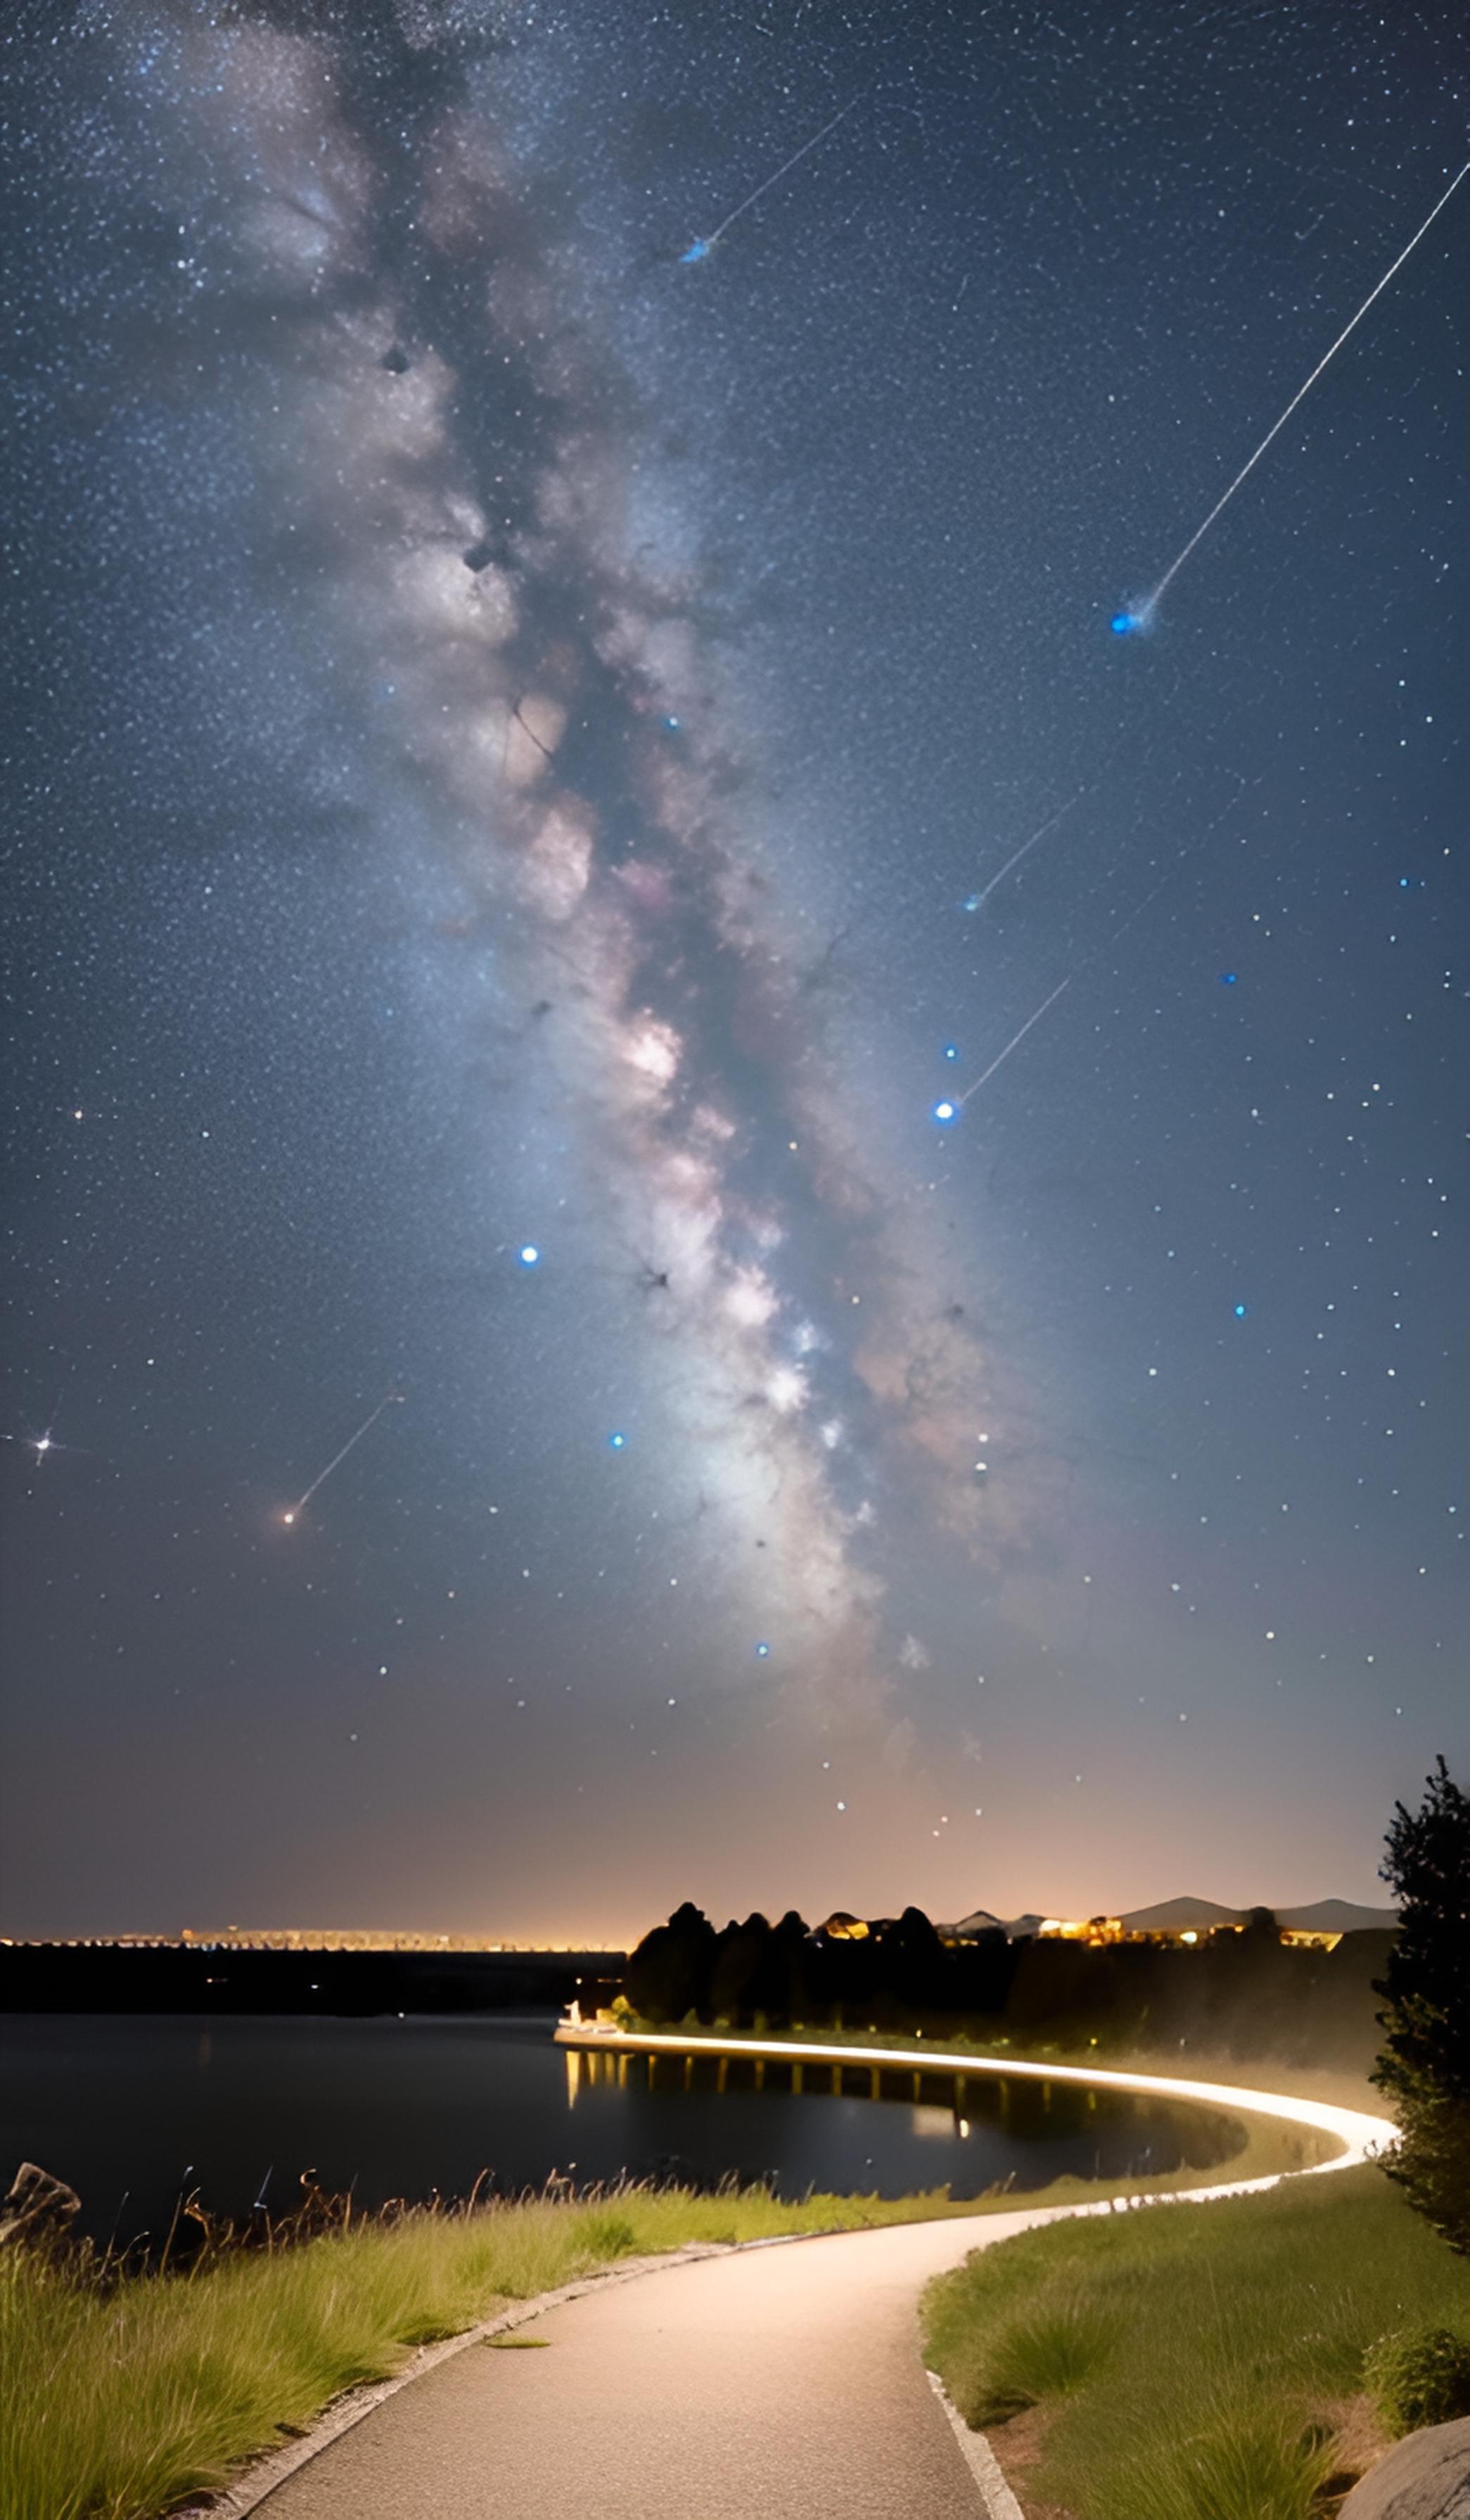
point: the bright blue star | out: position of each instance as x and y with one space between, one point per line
944 1113
1227 979
673 724
527 1255
1121 624
949 1050
1241 1311
618 1443
761 1652
698 252
973 903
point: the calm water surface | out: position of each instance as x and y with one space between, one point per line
129 2110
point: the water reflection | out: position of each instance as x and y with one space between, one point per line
411 2108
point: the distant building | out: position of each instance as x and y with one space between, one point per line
335 1938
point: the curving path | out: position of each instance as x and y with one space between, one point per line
780 2379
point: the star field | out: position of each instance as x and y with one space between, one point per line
601 853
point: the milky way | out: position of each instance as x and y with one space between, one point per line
532 768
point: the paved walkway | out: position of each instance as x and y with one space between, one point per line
780 2381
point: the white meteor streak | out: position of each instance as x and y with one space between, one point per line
1015 1041
703 245
980 898
292 1512
1151 602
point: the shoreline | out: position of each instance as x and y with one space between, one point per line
1361 2133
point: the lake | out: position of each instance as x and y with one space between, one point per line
129 2110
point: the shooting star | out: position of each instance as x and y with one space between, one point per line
1137 618
292 1514
703 246
1015 1042
978 900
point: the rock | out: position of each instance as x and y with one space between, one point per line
37 2205
1424 2477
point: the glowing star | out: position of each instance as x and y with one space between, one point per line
1227 979
1241 1311
951 1051
762 1651
1128 625
617 1443
944 1113
527 1255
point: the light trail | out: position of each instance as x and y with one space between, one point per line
978 900
292 1512
703 246
1015 1041
1363 2133
1139 620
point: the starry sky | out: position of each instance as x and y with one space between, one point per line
538 761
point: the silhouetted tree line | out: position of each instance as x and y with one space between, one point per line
1247 1994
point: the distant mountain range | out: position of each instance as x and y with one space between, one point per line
1198 1916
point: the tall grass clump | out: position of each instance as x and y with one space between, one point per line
130 2388
1043 2355
1222 2335
1240 2467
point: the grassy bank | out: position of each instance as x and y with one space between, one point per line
126 2394
1205 2364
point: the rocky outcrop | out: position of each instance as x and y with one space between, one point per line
1424 2477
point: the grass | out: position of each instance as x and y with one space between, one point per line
1192 2364
129 2391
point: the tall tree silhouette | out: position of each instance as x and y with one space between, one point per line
1425 2064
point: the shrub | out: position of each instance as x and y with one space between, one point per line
1420 2375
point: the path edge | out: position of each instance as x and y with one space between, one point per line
979 2457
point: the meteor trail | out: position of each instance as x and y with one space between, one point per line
978 900
703 246
1015 1041
292 1512
1138 620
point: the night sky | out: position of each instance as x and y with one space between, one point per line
518 738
